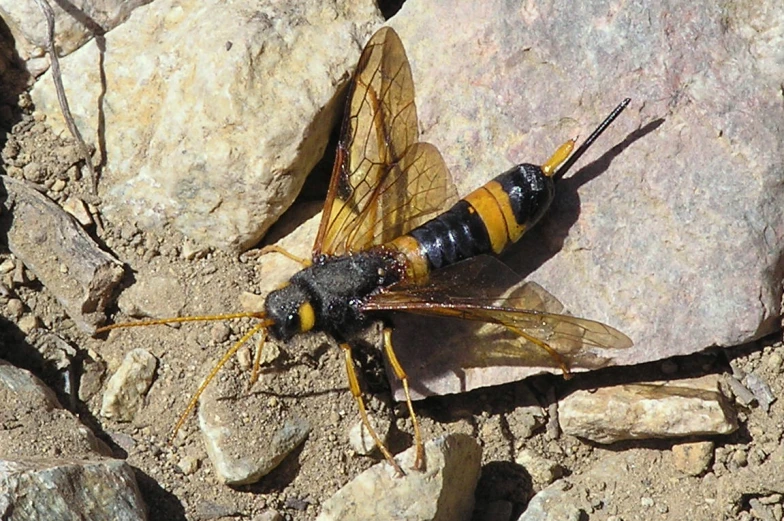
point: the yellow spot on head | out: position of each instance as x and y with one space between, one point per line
307 317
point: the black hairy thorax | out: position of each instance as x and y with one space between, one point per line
336 288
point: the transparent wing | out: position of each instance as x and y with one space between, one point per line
519 320
384 182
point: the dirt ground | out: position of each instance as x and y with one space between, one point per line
307 378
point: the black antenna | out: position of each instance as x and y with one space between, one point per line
593 137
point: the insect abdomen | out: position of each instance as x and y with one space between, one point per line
486 220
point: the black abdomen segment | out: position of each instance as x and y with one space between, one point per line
488 219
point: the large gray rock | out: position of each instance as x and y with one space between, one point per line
669 229
444 490
210 114
34 409
52 489
36 480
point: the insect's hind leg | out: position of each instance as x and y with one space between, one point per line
353 383
403 377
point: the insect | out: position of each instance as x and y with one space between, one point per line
386 243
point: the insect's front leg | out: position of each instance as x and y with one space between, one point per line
356 391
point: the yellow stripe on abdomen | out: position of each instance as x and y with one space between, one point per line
492 204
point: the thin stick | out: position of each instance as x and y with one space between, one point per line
57 78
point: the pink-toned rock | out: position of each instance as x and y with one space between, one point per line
670 228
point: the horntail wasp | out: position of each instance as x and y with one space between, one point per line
386 242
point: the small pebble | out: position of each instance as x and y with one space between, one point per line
646 502
25 101
761 390
269 515
33 171
757 457
244 357
542 470
190 250
740 458
771 499
28 323
15 308
20 274
77 208
220 332
693 458
58 185
775 361
742 394
188 465
251 302
149 255
7 266
269 354
11 149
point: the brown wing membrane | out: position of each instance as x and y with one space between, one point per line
518 319
384 183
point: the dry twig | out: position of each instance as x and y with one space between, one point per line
58 85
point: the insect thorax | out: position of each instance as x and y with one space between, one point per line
335 287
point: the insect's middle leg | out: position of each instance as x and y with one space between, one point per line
403 377
356 391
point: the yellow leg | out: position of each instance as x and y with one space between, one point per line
277 249
401 375
195 398
552 352
254 375
353 384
